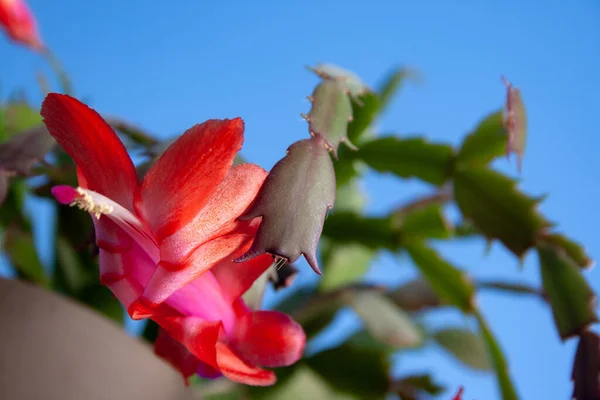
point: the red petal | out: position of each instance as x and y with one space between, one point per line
99 154
269 339
236 278
458 395
20 23
236 369
188 173
233 196
197 335
176 354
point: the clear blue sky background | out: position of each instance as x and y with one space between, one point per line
168 67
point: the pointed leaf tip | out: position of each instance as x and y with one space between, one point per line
498 208
485 143
293 202
572 299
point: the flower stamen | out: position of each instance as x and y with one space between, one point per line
85 202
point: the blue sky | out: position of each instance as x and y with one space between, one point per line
167 68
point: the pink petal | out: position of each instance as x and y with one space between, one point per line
122 262
188 174
99 154
204 298
64 194
269 339
236 369
233 196
168 278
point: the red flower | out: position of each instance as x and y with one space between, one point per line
167 243
19 23
459 394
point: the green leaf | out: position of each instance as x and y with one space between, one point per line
409 158
485 143
390 85
343 263
360 372
313 315
498 361
239 159
424 222
74 275
465 229
411 387
350 197
304 384
383 319
254 296
372 232
573 301
364 340
364 112
498 209
573 249
351 81
466 346
11 210
370 105
330 113
19 117
346 169
63 78
416 295
20 249
134 134
450 283
4 186
293 210
222 396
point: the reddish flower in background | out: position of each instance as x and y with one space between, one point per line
19 22
167 244
459 394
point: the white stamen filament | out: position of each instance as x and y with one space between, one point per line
86 202
97 204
